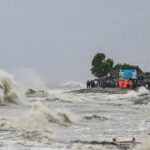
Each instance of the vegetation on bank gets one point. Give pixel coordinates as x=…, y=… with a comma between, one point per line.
x=101, y=65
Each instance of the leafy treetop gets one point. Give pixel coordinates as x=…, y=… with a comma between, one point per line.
x=127, y=66
x=102, y=66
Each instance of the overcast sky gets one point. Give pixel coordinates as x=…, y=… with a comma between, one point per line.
x=58, y=38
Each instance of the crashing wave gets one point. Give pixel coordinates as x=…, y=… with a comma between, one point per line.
x=143, y=91
x=40, y=118
x=133, y=94
x=9, y=91
x=79, y=97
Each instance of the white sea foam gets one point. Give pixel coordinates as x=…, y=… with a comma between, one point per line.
x=87, y=147
x=6, y=124
x=129, y=95
x=40, y=118
x=42, y=126
x=79, y=97
x=144, y=146
x=143, y=91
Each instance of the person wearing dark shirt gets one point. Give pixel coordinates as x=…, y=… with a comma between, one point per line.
x=88, y=83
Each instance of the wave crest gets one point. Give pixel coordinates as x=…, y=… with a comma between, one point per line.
x=8, y=89
x=40, y=118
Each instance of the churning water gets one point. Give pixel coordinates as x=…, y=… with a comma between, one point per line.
x=64, y=117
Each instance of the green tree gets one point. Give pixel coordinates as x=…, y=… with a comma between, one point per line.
x=127, y=66
x=100, y=65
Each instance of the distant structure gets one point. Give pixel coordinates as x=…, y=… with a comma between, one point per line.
x=122, y=78
x=144, y=76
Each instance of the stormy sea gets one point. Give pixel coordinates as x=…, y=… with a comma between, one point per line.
x=70, y=117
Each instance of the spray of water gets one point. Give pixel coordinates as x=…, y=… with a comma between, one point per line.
x=129, y=95
x=143, y=91
x=40, y=118
x=33, y=81
x=9, y=89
